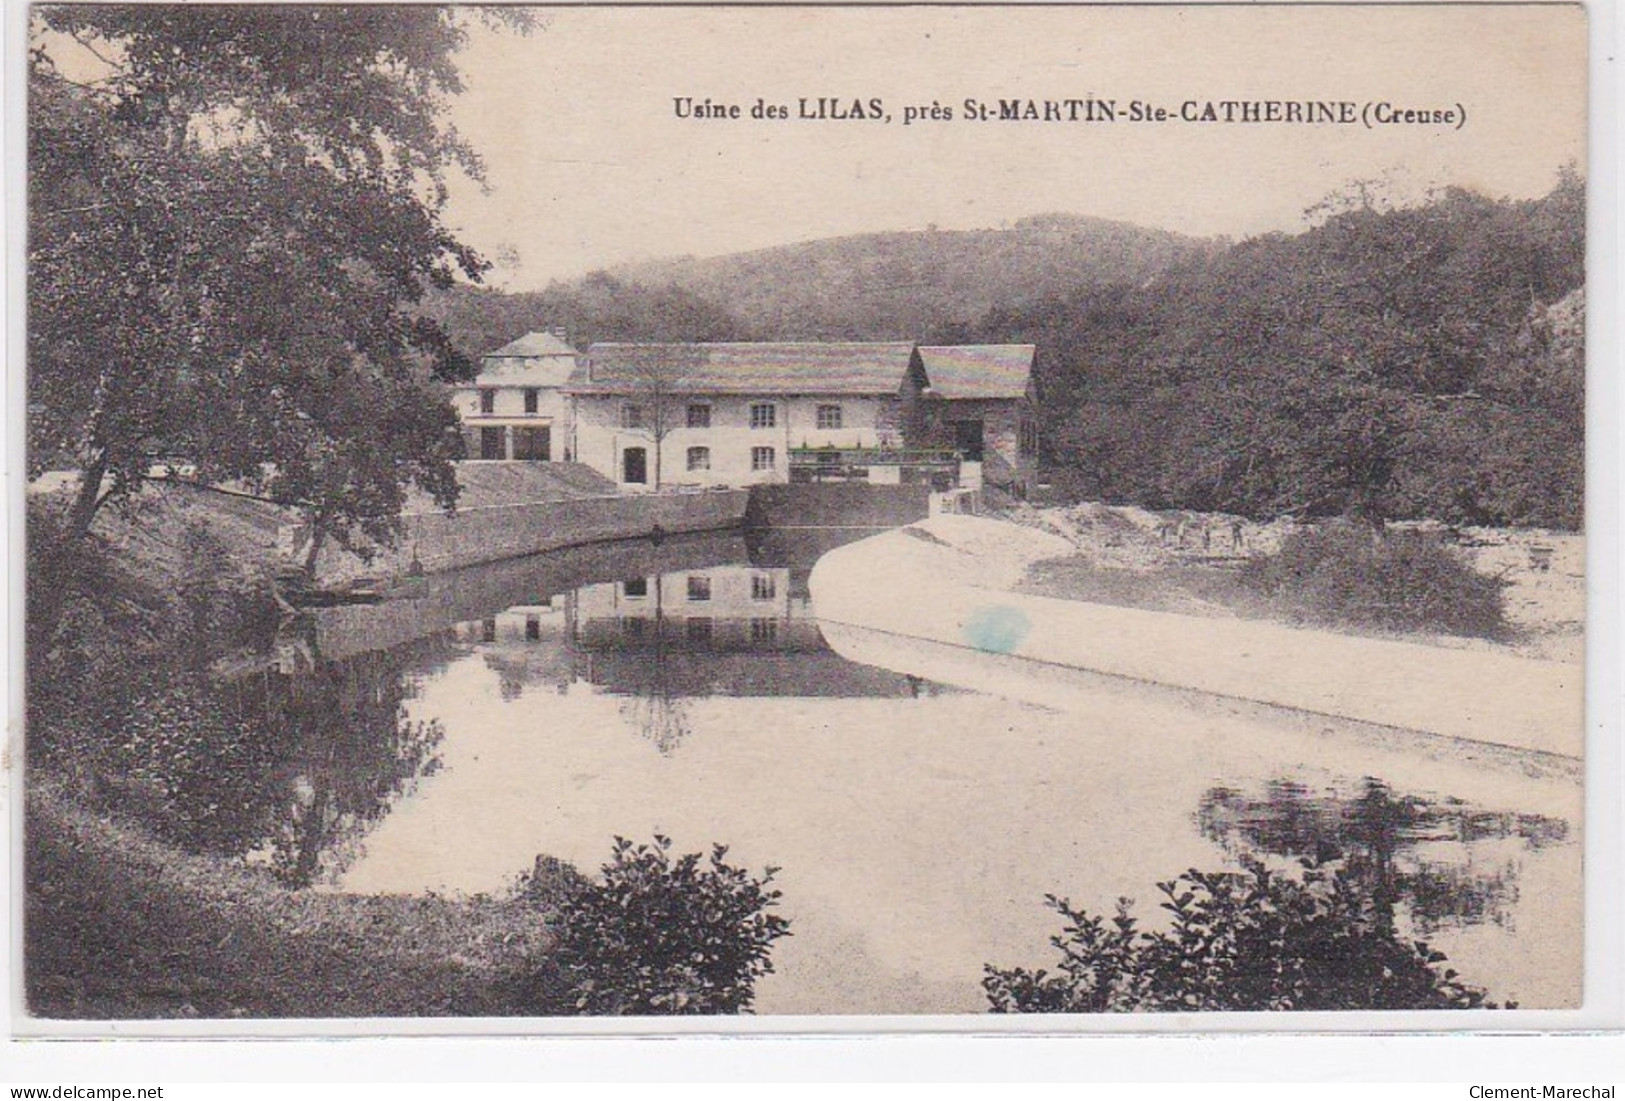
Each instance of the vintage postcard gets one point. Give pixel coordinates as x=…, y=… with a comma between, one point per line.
x=832, y=517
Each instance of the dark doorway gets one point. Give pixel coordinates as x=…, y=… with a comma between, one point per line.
x=968, y=439
x=492, y=444
x=534, y=444
x=635, y=466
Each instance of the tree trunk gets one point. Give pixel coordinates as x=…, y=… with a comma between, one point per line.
x=318, y=537
x=55, y=566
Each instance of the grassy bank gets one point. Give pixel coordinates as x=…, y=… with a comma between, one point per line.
x=120, y=926
x=1132, y=558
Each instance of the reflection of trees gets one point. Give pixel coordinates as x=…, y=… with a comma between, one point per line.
x=355, y=753
x=656, y=706
x=1381, y=837
x=348, y=751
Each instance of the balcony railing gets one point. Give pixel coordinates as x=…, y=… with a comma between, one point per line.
x=855, y=463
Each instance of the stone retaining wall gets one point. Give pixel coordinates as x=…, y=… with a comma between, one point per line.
x=435, y=541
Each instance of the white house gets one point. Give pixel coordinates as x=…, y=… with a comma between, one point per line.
x=516, y=408
x=655, y=416
x=729, y=414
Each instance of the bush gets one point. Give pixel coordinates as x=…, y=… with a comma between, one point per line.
x=196, y=770
x=1345, y=575
x=664, y=936
x=1254, y=941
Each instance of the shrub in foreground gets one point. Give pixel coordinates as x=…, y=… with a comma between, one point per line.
x=1254, y=941
x=662, y=935
x=1344, y=574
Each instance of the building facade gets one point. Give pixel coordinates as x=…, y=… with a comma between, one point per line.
x=662, y=416
x=516, y=408
x=981, y=404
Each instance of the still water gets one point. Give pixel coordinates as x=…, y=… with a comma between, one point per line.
x=688, y=689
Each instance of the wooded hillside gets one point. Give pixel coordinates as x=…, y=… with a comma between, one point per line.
x=1426, y=361
x=905, y=286
x=1386, y=363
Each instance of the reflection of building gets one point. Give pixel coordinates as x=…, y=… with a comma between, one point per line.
x=527, y=644
x=653, y=415
x=515, y=408
x=723, y=630
x=714, y=609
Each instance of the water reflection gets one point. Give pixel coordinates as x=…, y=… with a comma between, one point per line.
x=652, y=627
x=689, y=689
x=349, y=749
x=1446, y=864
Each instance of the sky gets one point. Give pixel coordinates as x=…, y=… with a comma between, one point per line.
x=588, y=164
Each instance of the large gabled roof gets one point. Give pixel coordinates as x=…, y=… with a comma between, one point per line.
x=978, y=370
x=786, y=368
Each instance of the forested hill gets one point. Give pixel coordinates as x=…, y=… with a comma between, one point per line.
x=883, y=286
x=598, y=307
x=1426, y=361
x=1421, y=361
x=909, y=285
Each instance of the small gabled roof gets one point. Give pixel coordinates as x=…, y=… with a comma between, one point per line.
x=979, y=370
x=786, y=368
x=535, y=359
x=531, y=345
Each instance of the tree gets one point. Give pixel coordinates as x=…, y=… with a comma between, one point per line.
x=1389, y=361
x=654, y=376
x=231, y=210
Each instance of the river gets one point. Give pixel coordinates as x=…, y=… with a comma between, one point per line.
x=687, y=689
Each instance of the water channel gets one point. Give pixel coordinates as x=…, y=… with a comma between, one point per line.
x=687, y=689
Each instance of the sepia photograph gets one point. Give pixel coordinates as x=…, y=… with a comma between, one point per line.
x=1068, y=518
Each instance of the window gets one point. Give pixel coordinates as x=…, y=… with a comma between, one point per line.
x=764, y=414
x=829, y=416
x=635, y=587
x=493, y=443
x=762, y=587
x=763, y=629
x=699, y=458
x=699, y=588
x=761, y=458
x=533, y=628
x=699, y=629
x=488, y=401
x=531, y=398
x=535, y=444
x=699, y=416
x=631, y=416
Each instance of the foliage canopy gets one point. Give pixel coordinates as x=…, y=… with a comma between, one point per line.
x=658, y=935
x=231, y=210
x=1258, y=941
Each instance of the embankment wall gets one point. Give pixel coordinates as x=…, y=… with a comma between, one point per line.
x=435, y=541
x=837, y=505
